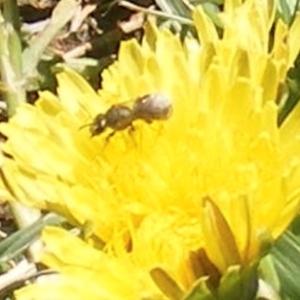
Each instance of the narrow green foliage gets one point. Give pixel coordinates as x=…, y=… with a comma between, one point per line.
x=16, y=243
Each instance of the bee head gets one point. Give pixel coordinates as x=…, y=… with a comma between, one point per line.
x=98, y=125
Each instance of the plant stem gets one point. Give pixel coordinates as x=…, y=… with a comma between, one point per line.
x=11, y=56
x=157, y=13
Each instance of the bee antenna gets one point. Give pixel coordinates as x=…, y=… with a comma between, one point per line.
x=90, y=116
x=85, y=125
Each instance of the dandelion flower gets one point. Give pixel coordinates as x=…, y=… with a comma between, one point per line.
x=180, y=198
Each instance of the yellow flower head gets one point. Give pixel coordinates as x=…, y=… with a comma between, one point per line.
x=209, y=183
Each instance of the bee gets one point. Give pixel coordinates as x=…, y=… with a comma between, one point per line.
x=149, y=108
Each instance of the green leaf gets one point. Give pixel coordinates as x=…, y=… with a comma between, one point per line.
x=200, y=291
x=286, y=9
x=268, y=272
x=176, y=7
x=197, y=2
x=212, y=10
x=269, y=284
x=238, y=283
x=286, y=257
x=61, y=15
x=290, y=91
x=16, y=243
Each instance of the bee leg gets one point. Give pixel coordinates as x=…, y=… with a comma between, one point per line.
x=131, y=129
x=107, y=139
x=109, y=136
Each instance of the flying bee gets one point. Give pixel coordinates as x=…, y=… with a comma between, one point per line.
x=149, y=108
